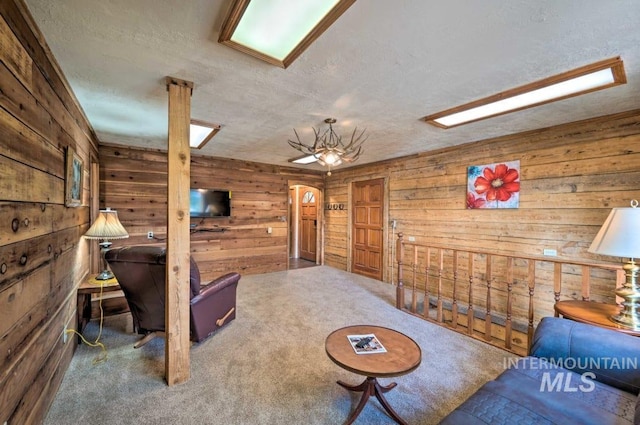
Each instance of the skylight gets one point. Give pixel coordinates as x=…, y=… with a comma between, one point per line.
x=200, y=133
x=278, y=31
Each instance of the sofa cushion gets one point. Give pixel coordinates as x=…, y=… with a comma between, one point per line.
x=534, y=391
x=612, y=356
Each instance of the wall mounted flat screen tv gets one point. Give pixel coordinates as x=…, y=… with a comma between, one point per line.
x=209, y=203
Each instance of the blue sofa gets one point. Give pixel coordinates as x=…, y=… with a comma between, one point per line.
x=575, y=374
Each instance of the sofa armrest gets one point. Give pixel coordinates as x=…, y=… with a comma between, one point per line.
x=218, y=284
x=214, y=307
x=613, y=357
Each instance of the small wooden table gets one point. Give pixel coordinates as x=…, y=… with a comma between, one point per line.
x=85, y=291
x=597, y=314
x=403, y=356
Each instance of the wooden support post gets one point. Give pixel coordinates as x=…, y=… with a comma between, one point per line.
x=177, y=346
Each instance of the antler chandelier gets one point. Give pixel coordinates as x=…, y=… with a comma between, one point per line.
x=329, y=149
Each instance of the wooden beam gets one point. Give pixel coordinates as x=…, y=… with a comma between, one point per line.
x=177, y=360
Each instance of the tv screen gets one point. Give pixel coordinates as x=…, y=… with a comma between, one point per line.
x=210, y=203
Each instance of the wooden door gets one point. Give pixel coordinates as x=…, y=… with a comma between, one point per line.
x=367, y=233
x=308, y=226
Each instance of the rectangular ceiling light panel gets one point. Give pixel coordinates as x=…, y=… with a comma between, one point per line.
x=307, y=159
x=278, y=31
x=579, y=81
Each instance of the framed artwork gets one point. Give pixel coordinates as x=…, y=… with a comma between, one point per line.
x=493, y=185
x=73, y=179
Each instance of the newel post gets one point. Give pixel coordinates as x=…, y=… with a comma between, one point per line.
x=399, y=257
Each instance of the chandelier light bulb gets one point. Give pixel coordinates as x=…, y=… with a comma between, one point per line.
x=328, y=147
x=331, y=158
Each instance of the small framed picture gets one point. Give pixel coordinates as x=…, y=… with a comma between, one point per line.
x=73, y=179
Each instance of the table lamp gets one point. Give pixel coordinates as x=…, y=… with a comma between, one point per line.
x=619, y=236
x=106, y=227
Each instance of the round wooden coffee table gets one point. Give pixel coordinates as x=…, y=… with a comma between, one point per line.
x=403, y=355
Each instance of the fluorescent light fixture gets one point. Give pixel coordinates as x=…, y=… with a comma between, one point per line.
x=200, y=133
x=308, y=159
x=597, y=76
x=278, y=31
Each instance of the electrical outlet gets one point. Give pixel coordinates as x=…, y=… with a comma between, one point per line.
x=149, y=235
x=64, y=334
x=412, y=238
x=549, y=252
x=269, y=230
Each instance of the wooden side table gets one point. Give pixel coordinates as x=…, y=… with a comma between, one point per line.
x=593, y=313
x=403, y=355
x=85, y=292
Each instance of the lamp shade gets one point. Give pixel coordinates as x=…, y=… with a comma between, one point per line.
x=619, y=236
x=107, y=226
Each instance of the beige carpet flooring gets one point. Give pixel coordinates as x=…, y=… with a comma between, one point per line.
x=269, y=366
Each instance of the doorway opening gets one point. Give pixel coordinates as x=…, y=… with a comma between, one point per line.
x=304, y=212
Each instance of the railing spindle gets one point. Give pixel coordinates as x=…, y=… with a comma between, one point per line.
x=414, y=293
x=454, y=304
x=507, y=327
x=586, y=282
x=426, y=285
x=400, y=287
x=531, y=281
x=487, y=315
x=470, y=308
x=439, y=315
x=557, y=280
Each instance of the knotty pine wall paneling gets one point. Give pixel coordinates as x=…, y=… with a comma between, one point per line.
x=42, y=254
x=134, y=182
x=571, y=177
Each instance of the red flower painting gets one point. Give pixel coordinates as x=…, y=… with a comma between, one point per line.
x=473, y=202
x=498, y=184
x=494, y=185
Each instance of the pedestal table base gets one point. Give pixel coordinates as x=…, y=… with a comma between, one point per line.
x=369, y=387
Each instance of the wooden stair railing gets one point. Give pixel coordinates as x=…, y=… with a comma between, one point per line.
x=478, y=296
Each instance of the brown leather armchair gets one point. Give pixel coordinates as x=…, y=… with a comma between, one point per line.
x=141, y=272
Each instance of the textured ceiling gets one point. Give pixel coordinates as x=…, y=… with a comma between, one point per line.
x=382, y=66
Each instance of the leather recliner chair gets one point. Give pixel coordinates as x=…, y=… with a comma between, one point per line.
x=141, y=273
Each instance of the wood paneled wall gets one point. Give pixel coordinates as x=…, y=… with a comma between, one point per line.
x=134, y=182
x=571, y=177
x=42, y=255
